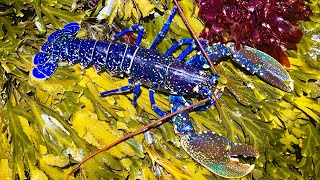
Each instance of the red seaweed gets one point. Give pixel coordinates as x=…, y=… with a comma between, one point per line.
x=89, y=4
x=268, y=25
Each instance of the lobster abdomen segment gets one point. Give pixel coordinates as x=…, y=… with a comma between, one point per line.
x=86, y=50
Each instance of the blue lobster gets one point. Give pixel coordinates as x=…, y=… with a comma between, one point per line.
x=165, y=73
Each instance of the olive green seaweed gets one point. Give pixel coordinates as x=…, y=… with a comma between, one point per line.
x=49, y=126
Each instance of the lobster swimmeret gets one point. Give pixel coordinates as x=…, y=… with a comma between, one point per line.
x=163, y=72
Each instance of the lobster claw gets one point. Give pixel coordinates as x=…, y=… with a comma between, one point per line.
x=218, y=154
x=265, y=66
x=253, y=60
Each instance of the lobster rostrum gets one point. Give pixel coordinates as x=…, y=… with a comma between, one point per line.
x=166, y=73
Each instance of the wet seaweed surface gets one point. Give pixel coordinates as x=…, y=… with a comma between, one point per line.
x=48, y=126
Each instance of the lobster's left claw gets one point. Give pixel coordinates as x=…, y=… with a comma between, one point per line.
x=217, y=153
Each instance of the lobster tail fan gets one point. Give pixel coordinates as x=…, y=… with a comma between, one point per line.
x=35, y=73
x=41, y=58
x=46, y=65
x=48, y=46
x=52, y=50
x=71, y=28
x=54, y=35
x=44, y=71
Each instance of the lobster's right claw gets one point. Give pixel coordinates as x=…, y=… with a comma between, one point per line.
x=265, y=66
x=217, y=153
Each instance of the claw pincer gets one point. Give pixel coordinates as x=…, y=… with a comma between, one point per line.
x=216, y=152
x=210, y=149
x=265, y=66
x=252, y=60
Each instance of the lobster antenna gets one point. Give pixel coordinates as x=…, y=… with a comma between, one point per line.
x=138, y=131
x=194, y=35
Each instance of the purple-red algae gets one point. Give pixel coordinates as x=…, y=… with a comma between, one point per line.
x=268, y=25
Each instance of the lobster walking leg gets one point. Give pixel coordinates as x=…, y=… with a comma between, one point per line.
x=165, y=29
x=140, y=29
x=71, y=28
x=134, y=85
x=153, y=103
x=184, y=41
x=132, y=28
x=136, y=91
x=122, y=89
x=187, y=51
